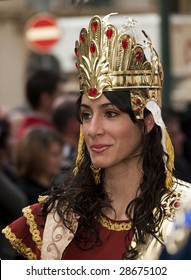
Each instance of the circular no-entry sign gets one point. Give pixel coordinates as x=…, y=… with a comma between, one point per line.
x=42, y=33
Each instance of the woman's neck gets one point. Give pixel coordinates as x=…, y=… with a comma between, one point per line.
x=122, y=184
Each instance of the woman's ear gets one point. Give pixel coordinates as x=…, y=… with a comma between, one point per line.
x=149, y=123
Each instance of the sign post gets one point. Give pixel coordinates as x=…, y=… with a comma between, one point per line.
x=42, y=33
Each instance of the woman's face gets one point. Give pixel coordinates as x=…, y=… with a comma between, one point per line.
x=110, y=135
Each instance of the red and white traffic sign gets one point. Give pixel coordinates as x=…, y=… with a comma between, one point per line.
x=42, y=33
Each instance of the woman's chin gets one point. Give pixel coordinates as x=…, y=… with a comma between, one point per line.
x=100, y=164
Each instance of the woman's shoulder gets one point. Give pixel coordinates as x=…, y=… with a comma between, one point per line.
x=25, y=234
x=182, y=188
x=178, y=245
x=182, y=184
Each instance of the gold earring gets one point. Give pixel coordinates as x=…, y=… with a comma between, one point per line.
x=96, y=172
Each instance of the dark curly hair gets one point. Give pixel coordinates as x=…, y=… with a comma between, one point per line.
x=83, y=197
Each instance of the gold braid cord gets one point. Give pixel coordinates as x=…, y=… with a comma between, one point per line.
x=114, y=226
x=42, y=198
x=80, y=155
x=18, y=244
x=27, y=212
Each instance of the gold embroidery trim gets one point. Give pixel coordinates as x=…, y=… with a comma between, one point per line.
x=114, y=226
x=27, y=212
x=18, y=244
x=42, y=198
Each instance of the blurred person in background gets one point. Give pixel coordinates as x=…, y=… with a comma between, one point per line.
x=42, y=88
x=67, y=125
x=172, y=120
x=6, y=148
x=16, y=117
x=186, y=126
x=12, y=200
x=37, y=158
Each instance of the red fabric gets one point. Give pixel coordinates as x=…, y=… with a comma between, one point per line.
x=33, y=120
x=20, y=228
x=112, y=248
x=114, y=243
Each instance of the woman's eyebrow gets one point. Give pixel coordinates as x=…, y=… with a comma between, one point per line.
x=85, y=106
x=101, y=105
x=106, y=105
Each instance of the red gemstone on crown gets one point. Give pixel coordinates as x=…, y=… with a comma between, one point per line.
x=94, y=25
x=82, y=37
x=177, y=204
x=138, y=110
x=125, y=43
x=92, y=92
x=76, y=51
x=138, y=101
x=109, y=33
x=138, y=55
x=92, y=47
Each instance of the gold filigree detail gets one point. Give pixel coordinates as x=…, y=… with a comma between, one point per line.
x=18, y=244
x=27, y=212
x=171, y=204
x=138, y=101
x=139, y=98
x=96, y=172
x=112, y=59
x=94, y=75
x=114, y=226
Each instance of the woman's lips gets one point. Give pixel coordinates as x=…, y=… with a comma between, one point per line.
x=99, y=148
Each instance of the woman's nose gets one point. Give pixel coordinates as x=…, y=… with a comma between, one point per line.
x=96, y=127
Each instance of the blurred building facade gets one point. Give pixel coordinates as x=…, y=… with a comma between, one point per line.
x=17, y=60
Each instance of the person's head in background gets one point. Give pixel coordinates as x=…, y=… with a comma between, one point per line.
x=66, y=124
x=65, y=120
x=42, y=88
x=37, y=155
x=172, y=120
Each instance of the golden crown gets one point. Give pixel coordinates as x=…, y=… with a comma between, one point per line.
x=109, y=59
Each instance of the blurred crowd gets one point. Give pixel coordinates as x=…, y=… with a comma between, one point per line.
x=37, y=142
x=178, y=124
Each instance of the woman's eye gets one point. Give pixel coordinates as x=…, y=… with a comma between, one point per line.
x=111, y=114
x=85, y=116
